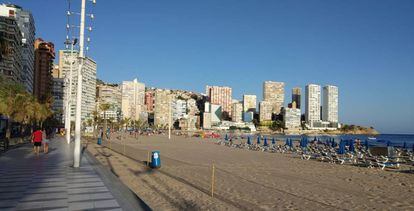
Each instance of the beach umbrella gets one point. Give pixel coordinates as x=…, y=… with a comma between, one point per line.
x=273, y=140
x=341, y=149
x=258, y=139
x=351, y=146
x=366, y=144
x=304, y=143
x=265, y=141
x=405, y=145
x=248, y=140
x=290, y=143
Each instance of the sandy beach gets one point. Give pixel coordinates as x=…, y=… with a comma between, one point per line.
x=247, y=180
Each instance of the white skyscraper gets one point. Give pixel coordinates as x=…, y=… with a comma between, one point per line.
x=88, y=84
x=312, y=104
x=237, y=112
x=274, y=93
x=249, y=103
x=178, y=109
x=26, y=25
x=133, y=99
x=330, y=104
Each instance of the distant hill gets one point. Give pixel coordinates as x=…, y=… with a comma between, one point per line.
x=355, y=129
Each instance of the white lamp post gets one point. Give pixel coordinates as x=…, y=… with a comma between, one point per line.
x=69, y=91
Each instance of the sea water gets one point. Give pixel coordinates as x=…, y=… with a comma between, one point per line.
x=396, y=140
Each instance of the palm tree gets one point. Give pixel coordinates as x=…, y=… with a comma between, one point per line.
x=19, y=106
x=10, y=98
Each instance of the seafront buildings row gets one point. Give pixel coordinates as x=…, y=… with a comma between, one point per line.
x=31, y=62
x=216, y=109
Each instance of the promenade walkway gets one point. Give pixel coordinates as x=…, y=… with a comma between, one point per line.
x=48, y=182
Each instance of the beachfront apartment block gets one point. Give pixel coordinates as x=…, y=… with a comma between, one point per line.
x=312, y=104
x=110, y=94
x=25, y=22
x=163, y=108
x=206, y=120
x=248, y=116
x=249, y=103
x=220, y=95
x=179, y=109
x=296, y=96
x=192, y=108
x=43, y=68
x=133, y=100
x=237, y=112
x=265, y=111
x=330, y=104
x=11, y=57
x=58, y=85
x=274, y=93
x=89, y=69
x=291, y=118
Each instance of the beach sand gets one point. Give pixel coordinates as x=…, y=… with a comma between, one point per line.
x=248, y=180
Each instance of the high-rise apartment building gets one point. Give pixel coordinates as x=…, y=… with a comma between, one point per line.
x=291, y=118
x=206, y=120
x=109, y=94
x=221, y=95
x=249, y=103
x=58, y=85
x=25, y=23
x=237, y=112
x=179, y=109
x=10, y=49
x=149, y=100
x=89, y=69
x=296, y=96
x=274, y=93
x=44, y=56
x=133, y=99
x=265, y=111
x=312, y=104
x=56, y=72
x=192, y=108
x=162, y=109
x=330, y=104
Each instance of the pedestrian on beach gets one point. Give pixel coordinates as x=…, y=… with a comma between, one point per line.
x=37, y=137
x=45, y=140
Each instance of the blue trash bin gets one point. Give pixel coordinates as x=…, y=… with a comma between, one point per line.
x=99, y=141
x=155, y=159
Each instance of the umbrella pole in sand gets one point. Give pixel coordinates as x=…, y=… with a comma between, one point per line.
x=212, y=181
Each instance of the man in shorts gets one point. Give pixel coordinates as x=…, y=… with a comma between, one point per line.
x=37, y=140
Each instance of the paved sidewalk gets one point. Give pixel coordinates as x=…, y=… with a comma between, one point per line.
x=48, y=182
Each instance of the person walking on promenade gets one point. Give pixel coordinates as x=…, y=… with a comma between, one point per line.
x=45, y=138
x=37, y=137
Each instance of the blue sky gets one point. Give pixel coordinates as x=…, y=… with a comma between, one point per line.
x=366, y=48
